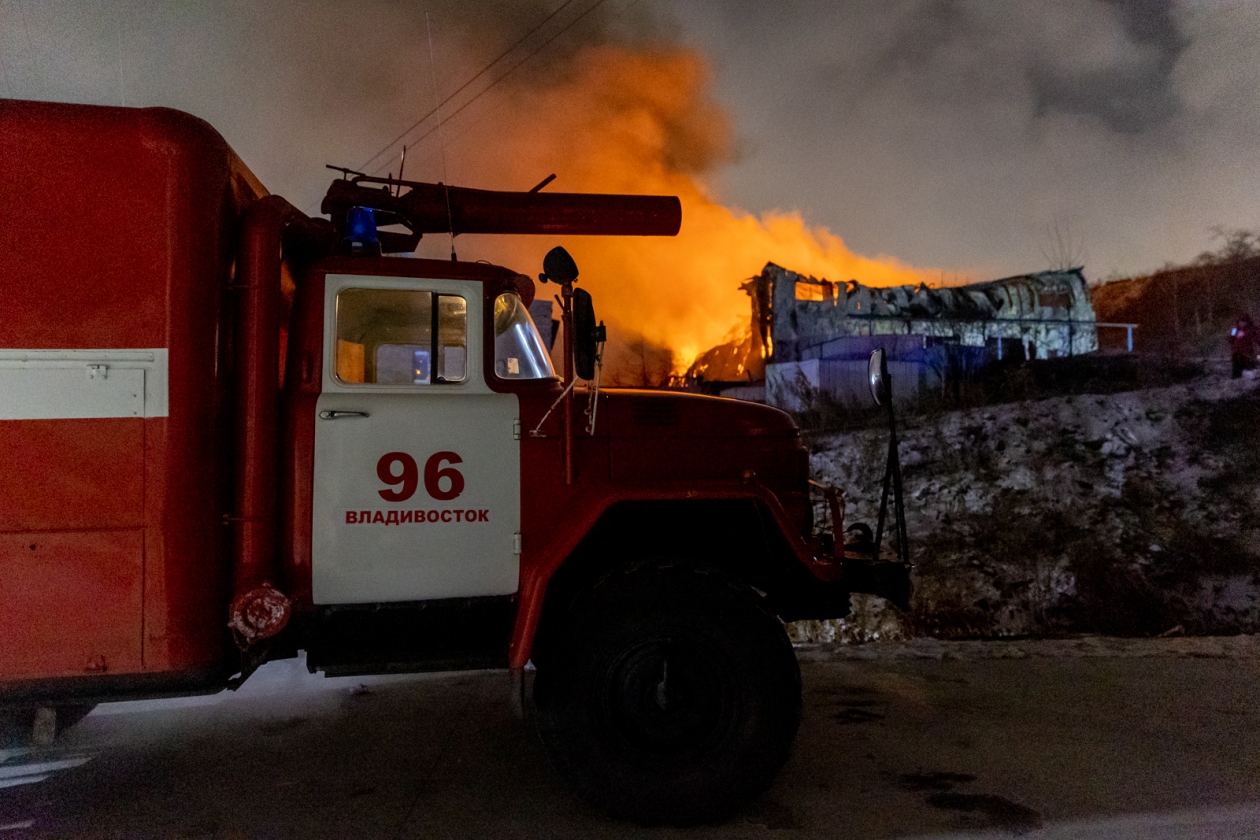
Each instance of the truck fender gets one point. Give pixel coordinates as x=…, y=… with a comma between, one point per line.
x=537, y=573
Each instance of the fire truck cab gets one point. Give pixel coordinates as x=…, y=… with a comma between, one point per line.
x=234, y=432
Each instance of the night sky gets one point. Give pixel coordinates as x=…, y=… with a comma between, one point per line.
x=976, y=138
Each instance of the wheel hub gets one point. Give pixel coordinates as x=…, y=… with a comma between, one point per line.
x=668, y=697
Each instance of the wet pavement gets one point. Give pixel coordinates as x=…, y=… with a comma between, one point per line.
x=1096, y=738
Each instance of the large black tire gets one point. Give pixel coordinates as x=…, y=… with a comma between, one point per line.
x=671, y=696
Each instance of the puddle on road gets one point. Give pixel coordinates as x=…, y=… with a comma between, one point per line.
x=933, y=781
x=992, y=811
x=279, y=727
x=21, y=767
x=856, y=715
x=998, y=811
x=17, y=826
x=770, y=814
x=854, y=703
x=15, y=773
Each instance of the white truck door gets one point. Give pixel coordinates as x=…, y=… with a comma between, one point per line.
x=417, y=465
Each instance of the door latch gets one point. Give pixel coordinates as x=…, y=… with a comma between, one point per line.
x=337, y=415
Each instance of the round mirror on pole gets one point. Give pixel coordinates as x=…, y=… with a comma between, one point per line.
x=877, y=376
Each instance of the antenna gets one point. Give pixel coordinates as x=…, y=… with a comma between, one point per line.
x=441, y=137
x=402, y=162
x=122, y=85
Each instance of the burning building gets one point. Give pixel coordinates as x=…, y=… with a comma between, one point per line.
x=808, y=333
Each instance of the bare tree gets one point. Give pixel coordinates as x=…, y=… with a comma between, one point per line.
x=1236, y=244
x=1063, y=247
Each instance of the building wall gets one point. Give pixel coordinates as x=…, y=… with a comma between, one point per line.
x=821, y=333
x=789, y=385
x=1049, y=313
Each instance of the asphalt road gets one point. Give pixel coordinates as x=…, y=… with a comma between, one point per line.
x=1088, y=738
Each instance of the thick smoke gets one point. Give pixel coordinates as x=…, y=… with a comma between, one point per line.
x=964, y=132
x=640, y=120
x=959, y=133
x=609, y=105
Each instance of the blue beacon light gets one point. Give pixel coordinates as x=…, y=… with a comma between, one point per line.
x=361, y=228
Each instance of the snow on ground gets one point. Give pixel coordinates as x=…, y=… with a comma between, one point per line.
x=1127, y=514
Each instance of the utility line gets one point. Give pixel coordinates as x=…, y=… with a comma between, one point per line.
x=9, y=90
x=122, y=82
x=510, y=70
x=30, y=48
x=462, y=87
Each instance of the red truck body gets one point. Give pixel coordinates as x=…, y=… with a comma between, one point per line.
x=212, y=461
x=121, y=235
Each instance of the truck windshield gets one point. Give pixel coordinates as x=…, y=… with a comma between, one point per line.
x=519, y=352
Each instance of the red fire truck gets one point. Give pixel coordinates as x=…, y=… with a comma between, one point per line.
x=233, y=432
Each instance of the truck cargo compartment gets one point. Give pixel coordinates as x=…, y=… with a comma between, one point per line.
x=53, y=624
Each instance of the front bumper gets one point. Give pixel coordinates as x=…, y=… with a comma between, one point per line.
x=885, y=578
x=863, y=570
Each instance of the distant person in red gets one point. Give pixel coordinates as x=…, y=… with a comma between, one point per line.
x=1243, y=345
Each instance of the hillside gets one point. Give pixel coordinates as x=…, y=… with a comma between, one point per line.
x=1131, y=513
x=1184, y=311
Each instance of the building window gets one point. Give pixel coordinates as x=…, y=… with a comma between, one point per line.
x=1054, y=300
x=813, y=291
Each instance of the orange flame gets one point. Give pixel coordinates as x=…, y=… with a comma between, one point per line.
x=642, y=121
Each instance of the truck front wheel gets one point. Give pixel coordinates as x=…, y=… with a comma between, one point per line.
x=673, y=696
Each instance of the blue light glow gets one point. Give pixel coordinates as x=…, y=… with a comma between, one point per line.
x=361, y=227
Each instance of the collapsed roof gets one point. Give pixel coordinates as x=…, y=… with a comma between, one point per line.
x=796, y=316
x=805, y=312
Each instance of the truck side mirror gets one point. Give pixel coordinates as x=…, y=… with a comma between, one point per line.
x=558, y=267
x=586, y=334
x=877, y=375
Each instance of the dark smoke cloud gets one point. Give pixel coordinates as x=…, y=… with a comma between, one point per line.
x=1132, y=97
x=1129, y=94
x=292, y=84
x=959, y=133
x=963, y=132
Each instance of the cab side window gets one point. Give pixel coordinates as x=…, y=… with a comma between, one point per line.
x=452, y=343
x=400, y=337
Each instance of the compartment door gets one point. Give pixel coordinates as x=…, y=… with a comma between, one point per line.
x=72, y=427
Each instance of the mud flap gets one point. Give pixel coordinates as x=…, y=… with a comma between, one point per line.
x=886, y=579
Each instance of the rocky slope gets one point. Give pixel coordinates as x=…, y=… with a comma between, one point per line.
x=1129, y=514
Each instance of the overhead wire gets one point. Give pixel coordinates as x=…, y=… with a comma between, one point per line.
x=507, y=73
x=437, y=108
x=479, y=74
x=122, y=82
x=32, y=58
x=9, y=90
